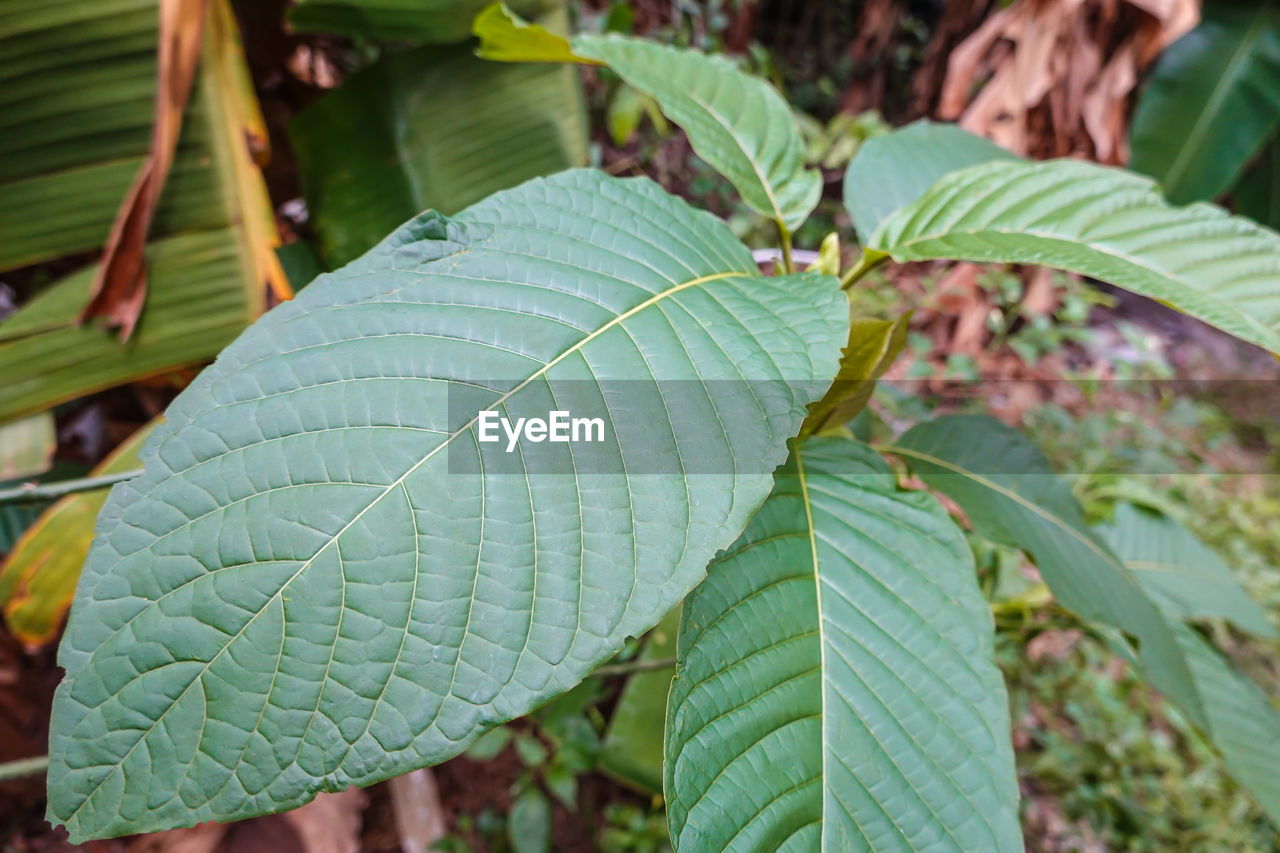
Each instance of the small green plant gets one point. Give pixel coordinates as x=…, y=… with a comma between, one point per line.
x=327, y=573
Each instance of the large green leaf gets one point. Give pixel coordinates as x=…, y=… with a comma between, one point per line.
x=324, y=577
x=835, y=687
x=1240, y=721
x=206, y=283
x=737, y=123
x=1104, y=223
x=893, y=170
x=421, y=21
x=1011, y=496
x=384, y=146
x=1178, y=571
x=1211, y=101
x=1243, y=723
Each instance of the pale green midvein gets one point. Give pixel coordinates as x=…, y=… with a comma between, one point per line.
x=822, y=640
x=630, y=312
x=764, y=183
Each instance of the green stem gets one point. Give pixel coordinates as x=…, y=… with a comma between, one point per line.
x=865, y=264
x=24, y=767
x=633, y=666
x=43, y=491
x=784, y=238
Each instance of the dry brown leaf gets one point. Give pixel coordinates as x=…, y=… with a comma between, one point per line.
x=204, y=838
x=959, y=296
x=1041, y=297
x=1051, y=78
x=1104, y=106
x=120, y=286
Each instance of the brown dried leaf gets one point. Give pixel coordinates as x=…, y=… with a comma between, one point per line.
x=1033, y=76
x=119, y=288
x=1041, y=298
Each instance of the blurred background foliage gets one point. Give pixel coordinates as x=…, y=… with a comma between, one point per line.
x=314, y=127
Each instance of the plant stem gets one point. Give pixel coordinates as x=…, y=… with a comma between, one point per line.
x=633, y=666
x=24, y=767
x=784, y=240
x=865, y=264
x=38, y=491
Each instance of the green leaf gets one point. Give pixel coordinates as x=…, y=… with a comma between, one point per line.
x=324, y=577
x=489, y=744
x=530, y=750
x=1104, y=223
x=506, y=37
x=1257, y=195
x=38, y=578
x=1240, y=721
x=529, y=824
x=632, y=749
x=1243, y=723
x=892, y=170
x=1178, y=571
x=835, y=687
x=418, y=21
x=1211, y=102
x=27, y=446
x=873, y=346
x=737, y=123
x=379, y=148
x=1011, y=496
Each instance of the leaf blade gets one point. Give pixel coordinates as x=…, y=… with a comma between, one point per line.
x=1103, y=223
x=1178, y=571
x=796, y=656
x=1006, y=488
x=357, y=671
x=893, y=170
x=739, y=124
